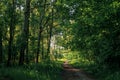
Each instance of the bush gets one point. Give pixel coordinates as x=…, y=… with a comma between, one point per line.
x=41, y=71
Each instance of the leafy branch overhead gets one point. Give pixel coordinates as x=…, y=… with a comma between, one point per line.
x=33, y=31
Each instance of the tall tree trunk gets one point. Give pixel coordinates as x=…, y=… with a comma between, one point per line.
x=39, y=38
x=1, y=47
x=38, y=45
x=40, y=31
x=25, y=35
x=12, y=27
x=50, y=35
x=42, y=48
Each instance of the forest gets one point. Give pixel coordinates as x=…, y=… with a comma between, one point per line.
x=38, y=38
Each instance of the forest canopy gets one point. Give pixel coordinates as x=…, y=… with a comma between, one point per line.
x=33, y=31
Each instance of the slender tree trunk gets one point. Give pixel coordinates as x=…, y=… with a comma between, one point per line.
x=12, y=27
x=33, y=41
x=42, y=49
x=27, y=50
x=50, y=35
x=25, y=35
x=1, y=47
x=38, y=45
x=27, y=14
x=40, y=32
x=39, y=38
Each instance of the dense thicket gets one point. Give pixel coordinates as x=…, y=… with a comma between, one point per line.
x=34, y=30
x=83, y=31
x=26, y=30
x=95, y=30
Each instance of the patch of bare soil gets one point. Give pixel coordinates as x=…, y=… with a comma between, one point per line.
x=71, y=73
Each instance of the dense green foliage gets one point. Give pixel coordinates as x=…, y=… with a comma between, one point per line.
x=85, y=32
x=41, y=71
x=98, y=72
x=95, y=34
x=95, y=31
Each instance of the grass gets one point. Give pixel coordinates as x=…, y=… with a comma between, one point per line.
x=41, y=71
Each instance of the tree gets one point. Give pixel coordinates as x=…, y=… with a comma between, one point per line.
x=1, y=46
x=1, y=36
x=50, y=32
x=40, y=30
x=95, y=37
x=25, y=35
x=12, y=27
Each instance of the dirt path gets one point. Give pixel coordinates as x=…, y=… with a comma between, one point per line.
x=71, y=73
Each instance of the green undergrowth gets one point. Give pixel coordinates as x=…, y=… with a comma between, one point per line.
x=100, y=72
x=41, y=71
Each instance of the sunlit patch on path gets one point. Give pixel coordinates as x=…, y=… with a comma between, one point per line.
x=71, y=73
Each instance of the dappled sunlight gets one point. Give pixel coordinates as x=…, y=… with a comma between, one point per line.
x=59, y=39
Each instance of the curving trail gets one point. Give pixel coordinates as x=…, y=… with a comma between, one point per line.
x=71, y=73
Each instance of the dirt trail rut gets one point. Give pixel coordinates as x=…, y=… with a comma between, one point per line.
x=71, y=73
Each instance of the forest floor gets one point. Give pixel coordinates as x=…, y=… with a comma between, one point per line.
x=71, y=73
